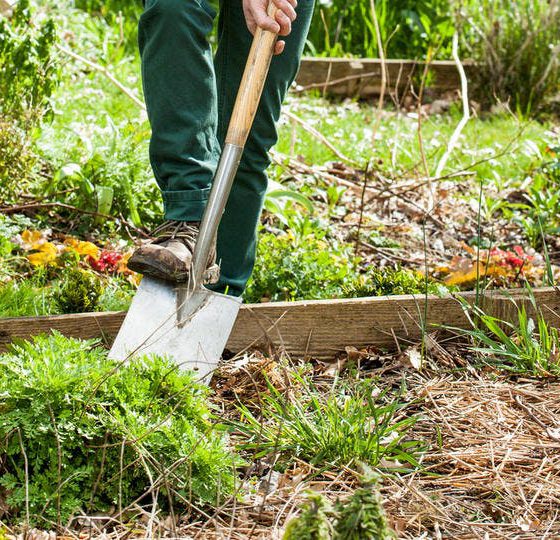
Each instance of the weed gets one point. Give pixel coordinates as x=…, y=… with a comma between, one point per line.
x=528, y=346
x=313, y=522
x=28, y=73
x=79, y=292
x=28, y=77
x=388, y=281
x=362, y=516
x=27, y=299
x=356, y=422
x=299, y=266
x=80, y=432
x=409, y=28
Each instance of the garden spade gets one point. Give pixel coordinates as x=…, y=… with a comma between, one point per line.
x=190, y=323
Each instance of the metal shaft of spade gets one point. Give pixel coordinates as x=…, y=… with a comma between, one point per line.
x=245, y=108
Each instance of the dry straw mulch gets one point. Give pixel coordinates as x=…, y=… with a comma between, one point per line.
x=494, y=465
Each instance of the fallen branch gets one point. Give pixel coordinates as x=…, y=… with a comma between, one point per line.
x=41, y=205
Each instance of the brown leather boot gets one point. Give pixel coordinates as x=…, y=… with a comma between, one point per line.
x=168, y=256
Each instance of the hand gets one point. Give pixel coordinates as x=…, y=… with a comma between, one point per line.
x=256, y=16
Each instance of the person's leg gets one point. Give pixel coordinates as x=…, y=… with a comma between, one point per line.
x=237, y=235
x=180, y=93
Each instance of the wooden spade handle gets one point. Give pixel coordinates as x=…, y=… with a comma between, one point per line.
x=252, y=83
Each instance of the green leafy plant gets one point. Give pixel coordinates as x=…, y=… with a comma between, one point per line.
x=105, y=171
x=79, y=433
x=313, y=521
x=528, y=346
x=362, y=516
x=409, y=29
x=541, y=217
x=27, y=298
x=353, y=422
x=28, y=71
x=297, y=265
x=79, y=292
x=388, y=281
x=517, y=48
x=28, y=77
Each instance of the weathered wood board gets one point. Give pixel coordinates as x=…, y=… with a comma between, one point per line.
x=361, y=77
x=320, y=328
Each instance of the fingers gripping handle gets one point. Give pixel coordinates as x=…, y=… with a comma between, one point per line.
x=252, y=83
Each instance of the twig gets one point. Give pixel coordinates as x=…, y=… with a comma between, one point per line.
x=362, y=204
x=334, y=82
x=310, y=129
x=26, y=473
x=103, y=70
x=466, y=109
x=38, y=205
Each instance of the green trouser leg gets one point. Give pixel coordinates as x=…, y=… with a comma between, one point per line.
x=189, y=105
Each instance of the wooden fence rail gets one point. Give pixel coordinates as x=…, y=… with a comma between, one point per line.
x=319, y=328
x=361, y=77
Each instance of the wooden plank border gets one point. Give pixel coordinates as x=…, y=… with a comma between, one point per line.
x=361, y=77
x=320, y=328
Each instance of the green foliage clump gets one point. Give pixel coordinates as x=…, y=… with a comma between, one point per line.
x=28, y=77
x=105, y=170
x=388, y=281
x=313, y=522
x=28, y=71
x=527, y=346
x=10, y=226
x=79, y=292
x=81, y=433
x=26, y=298
x=294, y=266
x=111, y=8
x=302, y=266
x=517, y=49
x=355, y=422
x=360, y=516
x=409, y=28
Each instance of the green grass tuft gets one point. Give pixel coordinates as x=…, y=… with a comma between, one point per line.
x=352, y=422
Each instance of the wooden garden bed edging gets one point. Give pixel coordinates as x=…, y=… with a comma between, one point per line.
x=319, y=328
x=361, y=77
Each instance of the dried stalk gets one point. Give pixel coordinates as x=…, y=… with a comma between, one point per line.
x=383, y=72
x=466, y=109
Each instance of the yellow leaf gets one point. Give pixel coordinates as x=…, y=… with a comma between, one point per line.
x=460, y=277
x=82, y=248
x=122, y=267
x=45, y=254
x=87, y=248
x=32, y=239
x=469, y=275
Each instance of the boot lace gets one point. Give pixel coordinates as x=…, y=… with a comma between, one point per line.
x=185, y=230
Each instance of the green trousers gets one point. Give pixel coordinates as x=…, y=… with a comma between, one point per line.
x=190, y=96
